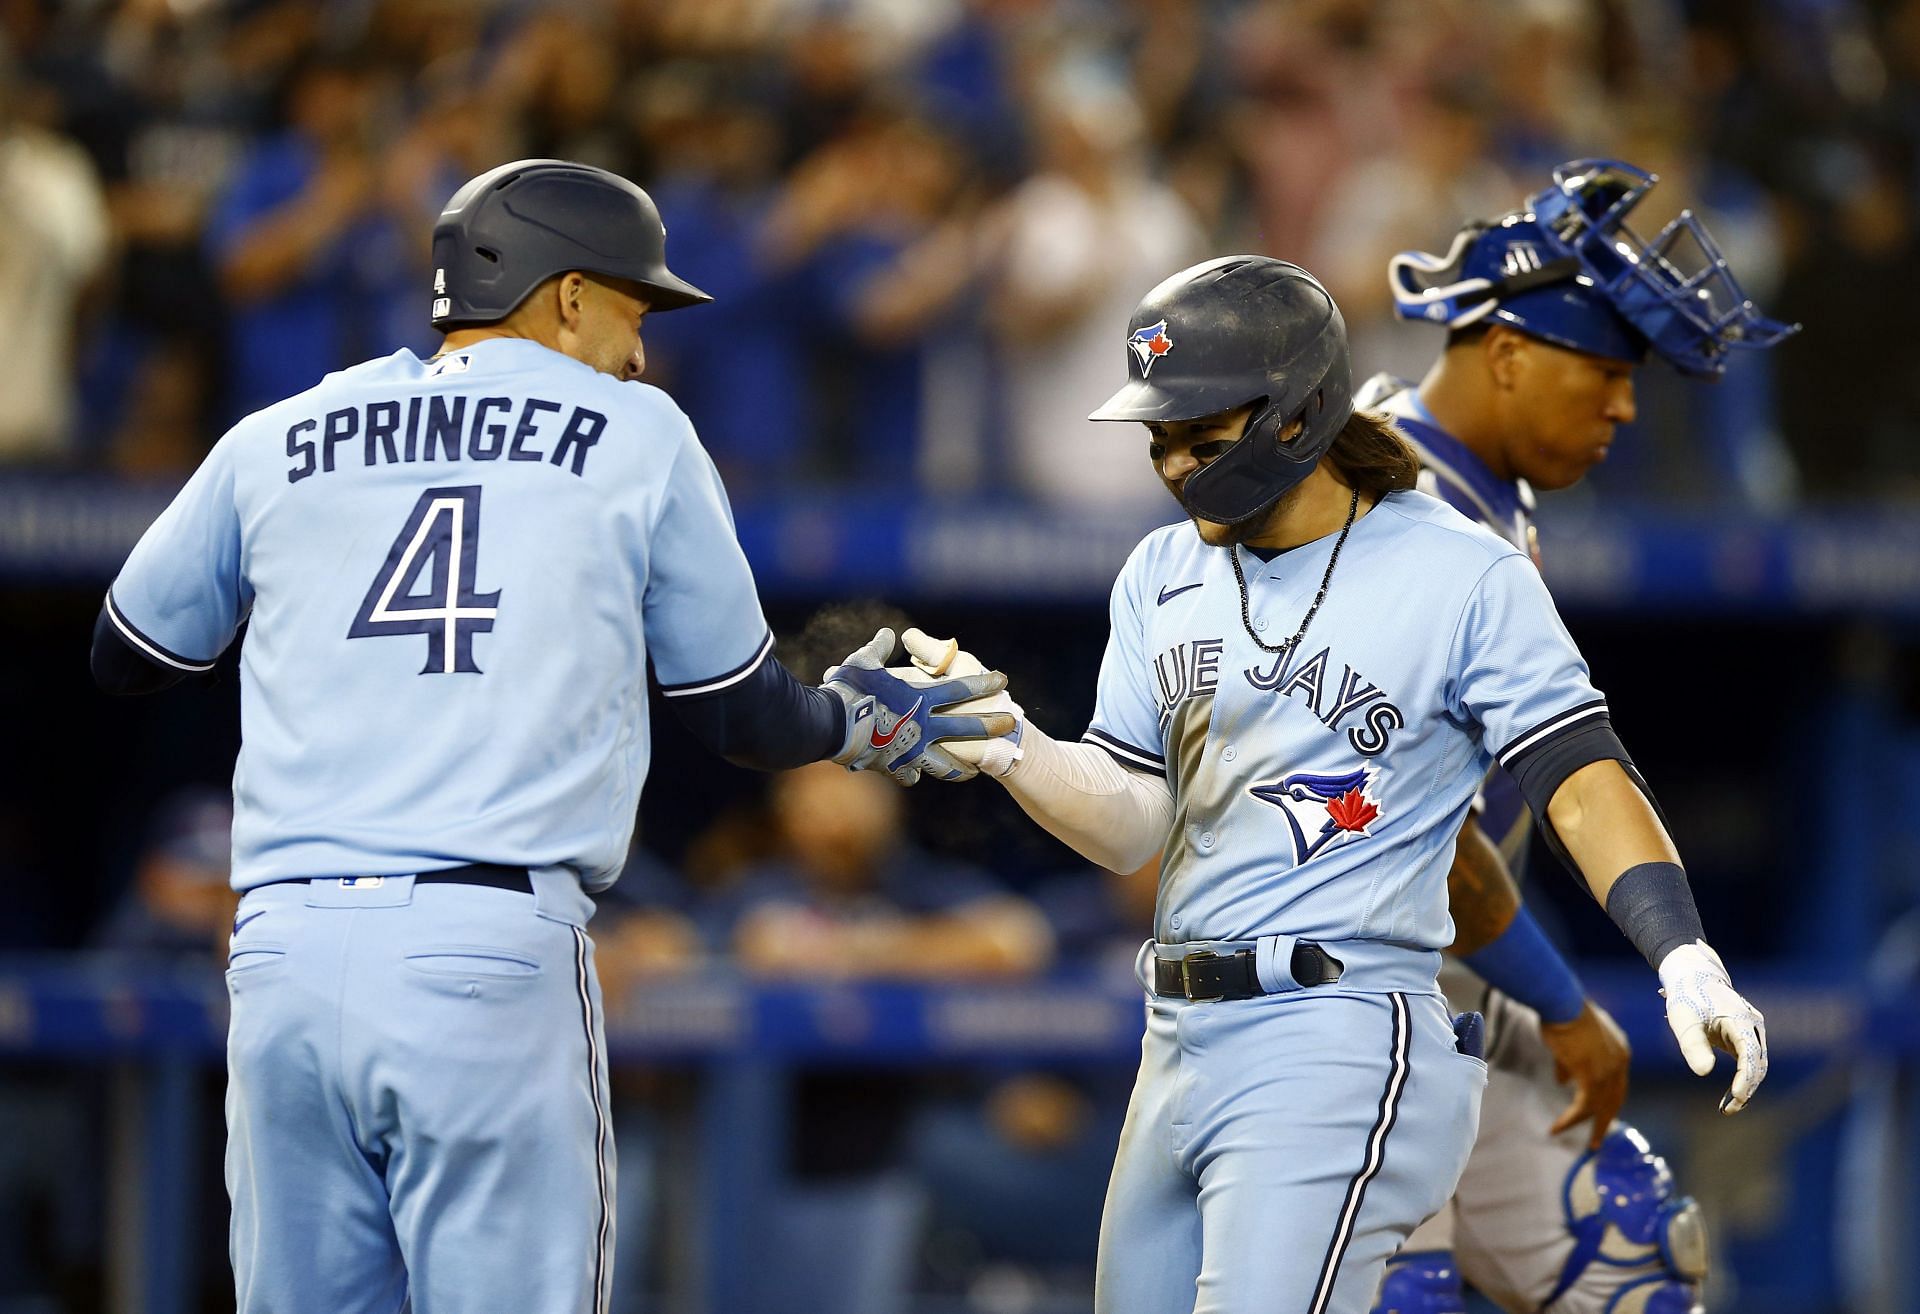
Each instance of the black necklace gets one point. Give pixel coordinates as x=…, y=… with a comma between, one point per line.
x=1246, y=615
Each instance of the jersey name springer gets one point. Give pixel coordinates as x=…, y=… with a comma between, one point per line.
x=439, y=427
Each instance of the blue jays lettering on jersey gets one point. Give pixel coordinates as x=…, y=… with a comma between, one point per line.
x=1436, y=653
x=456, y=572
x=1451, y=471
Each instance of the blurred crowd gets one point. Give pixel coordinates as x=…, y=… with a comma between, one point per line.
x=926, y=221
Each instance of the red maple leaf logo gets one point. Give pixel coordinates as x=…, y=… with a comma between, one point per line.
x=1352, y=810
x=1160, y=344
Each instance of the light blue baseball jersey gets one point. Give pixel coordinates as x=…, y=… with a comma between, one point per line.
x=1450, y=471
x=1319, y=794
x=455, y=573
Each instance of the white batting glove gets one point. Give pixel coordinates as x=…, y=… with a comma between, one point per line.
x=1707, y=1013
x=945, y=659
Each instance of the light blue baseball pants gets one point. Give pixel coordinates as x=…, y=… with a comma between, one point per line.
x=417, y=1101
x=1279, y=1149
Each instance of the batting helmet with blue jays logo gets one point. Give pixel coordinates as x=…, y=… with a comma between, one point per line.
x=1567, y=268
x=1239, y=329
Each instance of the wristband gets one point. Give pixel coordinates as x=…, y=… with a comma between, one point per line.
x=1522, y=962
x=1653, y=905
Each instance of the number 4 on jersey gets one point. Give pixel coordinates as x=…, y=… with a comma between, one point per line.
x=440, y=542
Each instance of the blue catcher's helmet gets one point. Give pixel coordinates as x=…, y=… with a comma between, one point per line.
x=1567, y=268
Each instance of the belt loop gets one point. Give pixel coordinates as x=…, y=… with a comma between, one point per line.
x=1273, y=963
x=559, y=897
x=1143, y=966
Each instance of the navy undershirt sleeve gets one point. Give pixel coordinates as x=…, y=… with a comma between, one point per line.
x=121, y=668
x=769, y=721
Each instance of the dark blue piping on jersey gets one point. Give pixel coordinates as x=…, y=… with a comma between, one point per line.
x=715, y=683
x=153, y=649
x=1126, y=754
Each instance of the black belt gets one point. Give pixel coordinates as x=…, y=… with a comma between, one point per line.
x=1204, y=977
x=474, y=873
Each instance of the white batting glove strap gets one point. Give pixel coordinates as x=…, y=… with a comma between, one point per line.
x=1707, y=1013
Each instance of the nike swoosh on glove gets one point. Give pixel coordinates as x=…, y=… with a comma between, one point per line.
x=898, y=727
x=1707, y=1013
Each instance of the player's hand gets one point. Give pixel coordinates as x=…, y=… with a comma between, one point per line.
x=897, y=727
x=1592, y=1052
x=1707, y=1013
x=934, y=659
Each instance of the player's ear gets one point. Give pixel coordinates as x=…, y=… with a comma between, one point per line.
x=571, y=290
x=1504, y=352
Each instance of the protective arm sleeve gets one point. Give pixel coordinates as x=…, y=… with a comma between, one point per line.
x=768, y=721
x=1109, y=815
x=121, y=668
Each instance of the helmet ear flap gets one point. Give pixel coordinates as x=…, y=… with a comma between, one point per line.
x=1278, y=424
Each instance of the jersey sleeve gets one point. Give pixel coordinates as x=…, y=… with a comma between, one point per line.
x=1126, y=720
x=704, y=626
x=1518, y=676
x=182, y=594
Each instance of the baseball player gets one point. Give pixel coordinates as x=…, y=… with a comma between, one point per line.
x=1302, y=691
x=1546, y=324
x=456, y=571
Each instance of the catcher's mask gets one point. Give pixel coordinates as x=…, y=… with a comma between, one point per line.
x=1568, y=269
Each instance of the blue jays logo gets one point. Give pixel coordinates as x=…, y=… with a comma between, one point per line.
x=1149, y=345
x=1323, y=809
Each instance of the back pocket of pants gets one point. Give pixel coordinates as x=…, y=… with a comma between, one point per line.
x=253, y=957
x=466, y=960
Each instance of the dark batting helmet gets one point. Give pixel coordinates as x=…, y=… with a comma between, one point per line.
x=514, y=227
x=1240, y=329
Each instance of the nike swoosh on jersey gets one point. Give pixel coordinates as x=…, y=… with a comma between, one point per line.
x=1168, y=595
x=248, y=920
x=879, y=740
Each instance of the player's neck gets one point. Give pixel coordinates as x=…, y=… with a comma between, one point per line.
x=466, y=337
x=1315, y=508
x=1460, y=407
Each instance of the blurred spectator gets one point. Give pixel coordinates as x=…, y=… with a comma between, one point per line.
x=924, y=221
x=1016, y=1177
x=290, y=235
x=1851, y=409
x=180, y=906
x=56, y=242
x=639, y=937
x=1083, y=240
x=852, y=900
x=736, y=368
x=853, y=217
x=1438, y=176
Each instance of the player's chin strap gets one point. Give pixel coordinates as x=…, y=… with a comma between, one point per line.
x=1621, y=1210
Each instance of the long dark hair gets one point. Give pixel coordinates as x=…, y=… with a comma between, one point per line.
x=1371, y=455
